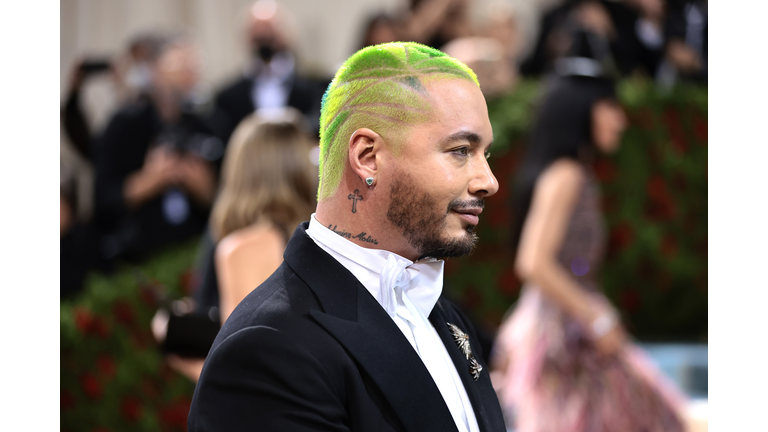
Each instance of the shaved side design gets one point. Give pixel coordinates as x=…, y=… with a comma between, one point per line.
x=382, y=88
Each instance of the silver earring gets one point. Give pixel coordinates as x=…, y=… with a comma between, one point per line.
x=369, y=181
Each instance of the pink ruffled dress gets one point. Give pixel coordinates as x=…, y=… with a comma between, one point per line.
x=548, y=374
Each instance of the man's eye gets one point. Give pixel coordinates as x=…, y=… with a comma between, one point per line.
x=487, y=154
x=462, y=151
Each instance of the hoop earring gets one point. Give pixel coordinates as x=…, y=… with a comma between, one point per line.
x=369, y=181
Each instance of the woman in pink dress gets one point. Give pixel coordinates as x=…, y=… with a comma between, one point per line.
x=562, y=361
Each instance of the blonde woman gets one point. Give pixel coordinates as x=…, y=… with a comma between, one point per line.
x=268, y=188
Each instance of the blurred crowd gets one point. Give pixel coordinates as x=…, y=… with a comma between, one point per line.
x=238, y=171
x=150, y=176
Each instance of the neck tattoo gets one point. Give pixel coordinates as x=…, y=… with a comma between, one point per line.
x=363, y=236
x=355, y=197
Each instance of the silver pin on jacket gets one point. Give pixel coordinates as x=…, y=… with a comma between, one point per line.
x=462, y=340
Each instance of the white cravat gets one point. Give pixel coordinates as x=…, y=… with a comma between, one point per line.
x=407, y=291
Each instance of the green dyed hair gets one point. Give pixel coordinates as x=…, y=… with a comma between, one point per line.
x=380, y=87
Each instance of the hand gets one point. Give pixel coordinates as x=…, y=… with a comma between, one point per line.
x=604, y=326
x=158, y=173
x=594, y=17
x=683, y=57
x=196, y=176
x=161, y=163
x=612, y=342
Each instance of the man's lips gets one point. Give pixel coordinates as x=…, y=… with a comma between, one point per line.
x=470, y=214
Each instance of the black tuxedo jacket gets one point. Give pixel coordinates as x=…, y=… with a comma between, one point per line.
x=311, y=350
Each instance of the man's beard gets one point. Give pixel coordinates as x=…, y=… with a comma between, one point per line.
x=423, y=225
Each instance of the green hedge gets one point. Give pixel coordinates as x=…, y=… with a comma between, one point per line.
x=655, y=192
x=113, y=378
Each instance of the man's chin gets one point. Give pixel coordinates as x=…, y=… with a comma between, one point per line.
x=457, y=246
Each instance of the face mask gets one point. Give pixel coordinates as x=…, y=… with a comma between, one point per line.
x=266, y=52
x=265, y=48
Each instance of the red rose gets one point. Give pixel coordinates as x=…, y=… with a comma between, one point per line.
x=106, y=366
x=83, y=319
x=91, y=386
x=130, y=408
x=621, y=237
x=123, y=312
x=175, y=414
x=660, y=205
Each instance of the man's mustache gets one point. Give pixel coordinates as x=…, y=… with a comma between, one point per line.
x=465, y=204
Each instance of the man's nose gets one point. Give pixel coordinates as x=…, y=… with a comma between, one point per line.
x=484, y=184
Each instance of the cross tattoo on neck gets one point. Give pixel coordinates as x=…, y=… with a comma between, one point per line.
x=355, y=197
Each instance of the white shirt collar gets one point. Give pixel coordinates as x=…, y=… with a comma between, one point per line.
x=386, y=275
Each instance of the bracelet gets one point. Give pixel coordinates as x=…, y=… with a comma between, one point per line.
x=603, y=324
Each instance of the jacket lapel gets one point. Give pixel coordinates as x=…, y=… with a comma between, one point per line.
x=481, y=394
x=361, y=325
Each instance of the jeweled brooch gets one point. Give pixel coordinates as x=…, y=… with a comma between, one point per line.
x=462, y=340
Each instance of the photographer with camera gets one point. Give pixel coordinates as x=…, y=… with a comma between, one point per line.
x=156, y=163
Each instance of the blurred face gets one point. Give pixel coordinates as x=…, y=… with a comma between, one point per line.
x=178, y=69
x=608, y=123
x=265, y=33
x=439, y=180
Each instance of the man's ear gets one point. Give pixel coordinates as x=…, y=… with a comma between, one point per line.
x=364, y=146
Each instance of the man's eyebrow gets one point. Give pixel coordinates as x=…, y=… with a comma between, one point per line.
x=470, y=136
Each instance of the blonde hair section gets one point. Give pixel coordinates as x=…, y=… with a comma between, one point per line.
x=267, y=175
x=382, y=88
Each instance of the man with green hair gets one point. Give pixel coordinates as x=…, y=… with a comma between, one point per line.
x=351, y=332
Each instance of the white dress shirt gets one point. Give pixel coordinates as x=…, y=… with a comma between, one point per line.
x=407, y=291
x=272, y=83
